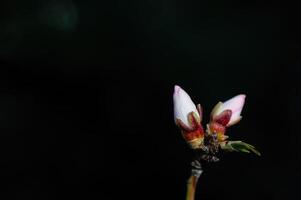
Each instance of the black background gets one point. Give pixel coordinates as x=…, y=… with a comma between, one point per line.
x=86, y=97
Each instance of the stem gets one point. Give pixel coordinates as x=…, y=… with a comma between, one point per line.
x=193, y=179
x=191, y=185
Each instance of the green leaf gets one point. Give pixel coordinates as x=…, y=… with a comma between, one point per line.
x=240, y=147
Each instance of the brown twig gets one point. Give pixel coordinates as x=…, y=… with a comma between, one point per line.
x=193, y=179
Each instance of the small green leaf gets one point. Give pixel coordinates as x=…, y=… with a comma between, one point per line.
x=240, y=146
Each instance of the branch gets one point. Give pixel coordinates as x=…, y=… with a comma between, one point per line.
x=196, y=172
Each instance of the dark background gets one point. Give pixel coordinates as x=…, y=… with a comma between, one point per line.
x=86, y=97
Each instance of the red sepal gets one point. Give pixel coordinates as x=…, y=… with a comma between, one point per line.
x=223, y=118
x=217, y=127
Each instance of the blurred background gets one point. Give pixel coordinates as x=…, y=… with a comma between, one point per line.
x=86, y=97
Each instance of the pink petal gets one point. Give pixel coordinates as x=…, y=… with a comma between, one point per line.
x=183, y=105
x=234, y=104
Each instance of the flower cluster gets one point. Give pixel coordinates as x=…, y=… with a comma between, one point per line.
x=188, y=117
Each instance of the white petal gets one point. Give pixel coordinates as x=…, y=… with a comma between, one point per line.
x=183, y=105
x=234, y=104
